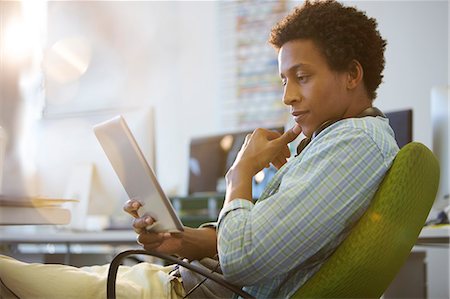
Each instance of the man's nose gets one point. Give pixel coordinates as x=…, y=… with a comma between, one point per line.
x=291, y=94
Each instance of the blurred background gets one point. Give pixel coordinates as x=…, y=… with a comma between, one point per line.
x=177, y=71
x=191, y=78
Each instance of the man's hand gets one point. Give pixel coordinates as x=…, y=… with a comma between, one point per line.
x=192, y=243
x=260, y=148
x=170, y=243
x=263, y=147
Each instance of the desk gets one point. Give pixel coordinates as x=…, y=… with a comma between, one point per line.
x=434, y=242
x=435, y=235
x=426, y=272
x=428, y=236
x=193, y=211
x=110, y=242
x=113, y=237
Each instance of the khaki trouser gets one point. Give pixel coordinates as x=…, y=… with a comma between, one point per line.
x=144, y=280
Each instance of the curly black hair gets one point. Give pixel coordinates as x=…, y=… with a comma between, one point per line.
x=341, y=33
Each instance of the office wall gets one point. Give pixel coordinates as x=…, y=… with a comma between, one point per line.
x=169, y=54
x=416, y=56
x=157, y=54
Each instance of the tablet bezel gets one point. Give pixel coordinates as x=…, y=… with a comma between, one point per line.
x=116, y=139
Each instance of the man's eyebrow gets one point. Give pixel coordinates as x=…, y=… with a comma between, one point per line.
x=296, y=67
x=299, y=66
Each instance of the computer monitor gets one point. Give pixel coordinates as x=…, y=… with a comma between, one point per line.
x=401, y=124
x=210, y=158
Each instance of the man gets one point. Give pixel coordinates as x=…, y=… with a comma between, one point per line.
x=330, y=64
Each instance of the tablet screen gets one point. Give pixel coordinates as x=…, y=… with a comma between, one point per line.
x=135, y=174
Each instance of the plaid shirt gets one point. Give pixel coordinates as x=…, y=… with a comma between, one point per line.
x=273, y=246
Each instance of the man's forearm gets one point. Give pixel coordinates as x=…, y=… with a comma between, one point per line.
x=239, y=184
x=199, y=243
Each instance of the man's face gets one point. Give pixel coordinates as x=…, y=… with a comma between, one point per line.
x=313, y=91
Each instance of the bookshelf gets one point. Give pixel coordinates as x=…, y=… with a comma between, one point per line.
x=250, y=90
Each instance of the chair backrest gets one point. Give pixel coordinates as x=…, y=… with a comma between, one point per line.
x=366, y=262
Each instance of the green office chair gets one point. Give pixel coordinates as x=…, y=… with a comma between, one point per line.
x=365, y=264
x=367, y=261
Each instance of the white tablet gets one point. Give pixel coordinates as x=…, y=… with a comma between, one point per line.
x=136, y=175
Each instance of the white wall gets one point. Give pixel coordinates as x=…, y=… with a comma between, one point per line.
x=159, y=54
x=194, y=110
x=168, y=58
x=417, y=58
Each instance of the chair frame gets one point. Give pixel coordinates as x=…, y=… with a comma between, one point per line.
x=116, y=262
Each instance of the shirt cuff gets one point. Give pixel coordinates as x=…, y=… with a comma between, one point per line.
x=235, y=204
x=209, y=224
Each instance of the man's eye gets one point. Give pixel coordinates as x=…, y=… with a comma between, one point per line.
x=302, y=78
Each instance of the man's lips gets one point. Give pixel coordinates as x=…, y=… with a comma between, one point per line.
x=298, y=115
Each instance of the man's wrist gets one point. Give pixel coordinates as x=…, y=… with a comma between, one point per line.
x=240, y=171
x=239, y=183
x=199, y=243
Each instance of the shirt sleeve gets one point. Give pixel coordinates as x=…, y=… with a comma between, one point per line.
x=209, y=224
x=322, y=192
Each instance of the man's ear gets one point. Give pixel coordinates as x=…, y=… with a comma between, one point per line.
x=355, y=74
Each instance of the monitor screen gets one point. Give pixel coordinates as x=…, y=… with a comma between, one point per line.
x=401, y=123
x=210, y=158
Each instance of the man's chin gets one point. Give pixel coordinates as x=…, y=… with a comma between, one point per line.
x=307, y=132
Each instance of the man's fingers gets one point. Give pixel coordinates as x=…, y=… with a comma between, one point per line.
x=131, y=207
x=247, y=139
x=278, y=163
x=273, y=135
x=140, y=223
x=290, y=134
x=175, y=235
x=150, y=240
x=286, y=151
